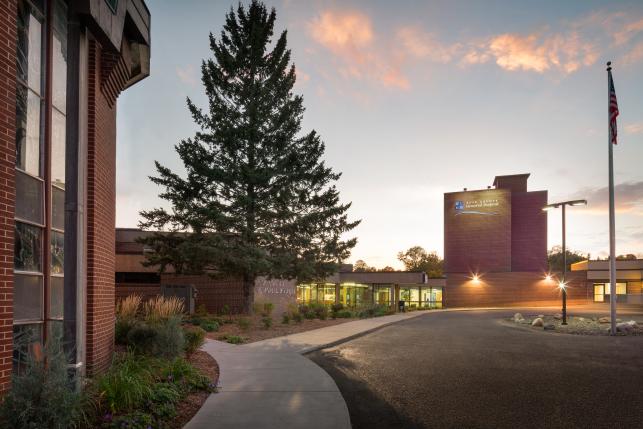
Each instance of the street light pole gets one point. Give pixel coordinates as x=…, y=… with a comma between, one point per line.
x=563, y=284
x=564, y=271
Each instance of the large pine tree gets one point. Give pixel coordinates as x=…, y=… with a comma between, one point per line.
x=257, y=198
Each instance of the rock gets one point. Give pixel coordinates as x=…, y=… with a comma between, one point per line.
x=580, y=319
x=542, y=316
x=549, y=327
x=633, y=324
x=558, y=316
x=618, y=320
x=604, y=319
x=624, y=328
x=518, y=318
x=537, y=322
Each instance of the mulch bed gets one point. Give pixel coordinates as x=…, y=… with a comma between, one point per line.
x=187, y=408
x=256, y=332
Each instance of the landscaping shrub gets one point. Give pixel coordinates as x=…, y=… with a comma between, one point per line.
x=263, y=308
x=228, y=312
x=297, y=317
x=267, y=308
x=310, y=315
x=321, y=311
x=163, y=339
x=163, y=308
x=126, y=312
x=285, y=318
x=303, y=310
x=194, y=338
x=267, y=322
x=336, y=308
x=243, y=323
x=142, y=392
x=233, y=339
x=126, y=385
x=209, y=325
x=344, y=314
x=42, y=395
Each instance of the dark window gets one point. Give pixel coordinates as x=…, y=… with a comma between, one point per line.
x=145, y=278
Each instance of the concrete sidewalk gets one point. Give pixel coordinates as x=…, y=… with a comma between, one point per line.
x=270, y=385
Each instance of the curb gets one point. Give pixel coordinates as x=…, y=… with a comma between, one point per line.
x=312, y=349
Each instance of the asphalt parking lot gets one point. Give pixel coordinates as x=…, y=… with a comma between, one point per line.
x=469, y=370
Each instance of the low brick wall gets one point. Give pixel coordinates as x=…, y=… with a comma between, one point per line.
x=513, y=289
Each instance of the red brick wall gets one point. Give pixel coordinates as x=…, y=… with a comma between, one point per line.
x=513, y=289
x=101, y=202
x=8, y=38
x=477, y=242
x=528, y=231
x=213, y=293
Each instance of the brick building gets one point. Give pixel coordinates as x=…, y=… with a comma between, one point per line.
x=63, y=65
x=495, y=248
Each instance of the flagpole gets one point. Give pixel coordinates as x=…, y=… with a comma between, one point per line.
x=610, y=145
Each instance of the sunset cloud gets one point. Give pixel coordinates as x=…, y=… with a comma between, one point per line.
x=566, y=53
x=628, y=198
x=417, y=43
x=350, y=37
x=636, y=128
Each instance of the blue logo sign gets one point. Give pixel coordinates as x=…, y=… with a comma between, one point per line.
x=459, y=205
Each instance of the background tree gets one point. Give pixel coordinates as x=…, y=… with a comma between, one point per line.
x=257, y=197
x=418, y=259
x=387, y=269
x=555, y=258
x=628, y=257
x=361, y=266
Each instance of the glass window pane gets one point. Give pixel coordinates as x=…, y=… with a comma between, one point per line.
x=29, y=199
x=57, y=208
x=29, y=47
x=25, y=339
x=57, y=252
x=27, y=297
x=58, y=148
x=27, y=249
x=56, y=297
x=27, y=131
x=59, y=55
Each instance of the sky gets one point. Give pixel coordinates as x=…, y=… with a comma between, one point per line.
x=414, y=99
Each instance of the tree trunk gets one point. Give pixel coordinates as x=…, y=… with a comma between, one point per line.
x=248, y=293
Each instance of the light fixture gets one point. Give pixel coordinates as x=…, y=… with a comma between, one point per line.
x=475, y=278
x=548, y=277
x=578, y=203
x=562, y=286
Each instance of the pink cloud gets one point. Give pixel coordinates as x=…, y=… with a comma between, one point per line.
x=417, y=43
x=187, y=75
x=349, y=36
x=627, y=32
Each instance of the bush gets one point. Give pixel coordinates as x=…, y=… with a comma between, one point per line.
x=209, y=326
x=344, y=314
x=162, y=308
x=163, y=339
x=233, y=339
x=194, y=339
x=127, y=308
x=297, y=317
x=244, y=324
x=336, y=308
x=42, y=395
x=267, y=322
x=121, y=330
x=285, y=318
x=126, y=385
x=321, y=312
x=309, y=315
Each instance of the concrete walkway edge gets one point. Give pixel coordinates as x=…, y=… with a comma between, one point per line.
x=270, y=384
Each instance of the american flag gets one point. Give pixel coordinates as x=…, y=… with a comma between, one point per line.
x=613, y=109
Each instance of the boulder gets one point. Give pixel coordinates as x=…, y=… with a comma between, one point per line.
x=558, y=316
x=633, y=324
x=604, y=319
x=518, y=317
x=542, y=316
x=580, y=319
x=624, y=328
x=537, y=322
x=549, y=327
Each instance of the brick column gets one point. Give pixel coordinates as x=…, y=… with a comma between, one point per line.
x=8, y=39
x=101, y=202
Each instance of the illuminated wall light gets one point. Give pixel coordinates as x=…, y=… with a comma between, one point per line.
x=548, y=277
x=562, y=285
x=475, y=278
